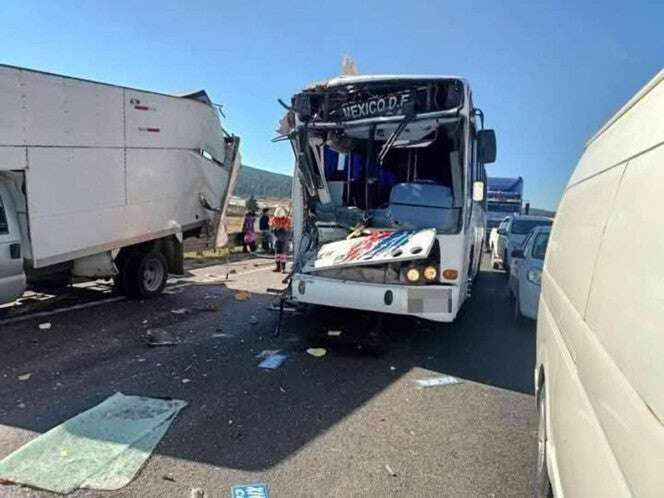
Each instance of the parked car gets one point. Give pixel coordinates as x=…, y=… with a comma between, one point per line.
x=526, y=272
x=512, y=235
x=599, y=372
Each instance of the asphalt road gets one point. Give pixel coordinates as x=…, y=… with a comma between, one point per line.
x=352, y=423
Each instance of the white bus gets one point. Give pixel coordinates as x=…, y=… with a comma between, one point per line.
x=388, y=193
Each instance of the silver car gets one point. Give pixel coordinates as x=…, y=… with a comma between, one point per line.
x=526, y=272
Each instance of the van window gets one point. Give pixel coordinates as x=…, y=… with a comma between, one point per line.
x=4, y=227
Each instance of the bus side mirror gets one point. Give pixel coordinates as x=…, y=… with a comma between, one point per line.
x=478, y=191
x=486, y=145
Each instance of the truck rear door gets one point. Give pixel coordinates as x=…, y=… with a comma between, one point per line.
x=12, y=277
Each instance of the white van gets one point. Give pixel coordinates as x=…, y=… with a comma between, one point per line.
x=600, y=336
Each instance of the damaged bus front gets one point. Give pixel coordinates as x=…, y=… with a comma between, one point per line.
x=388, y=193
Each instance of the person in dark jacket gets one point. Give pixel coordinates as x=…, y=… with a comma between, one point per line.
x=264, y=227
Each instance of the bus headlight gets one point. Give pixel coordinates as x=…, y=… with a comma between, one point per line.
x=413, y=275
x=430, y=273
x=534, y=276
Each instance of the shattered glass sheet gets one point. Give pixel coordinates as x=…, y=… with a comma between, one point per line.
x=380, y=247
x=101, y=448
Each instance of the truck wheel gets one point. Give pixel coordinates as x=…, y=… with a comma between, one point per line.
x=147, y=273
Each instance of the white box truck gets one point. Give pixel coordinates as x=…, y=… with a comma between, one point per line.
x=99, y=181
x=388, y=193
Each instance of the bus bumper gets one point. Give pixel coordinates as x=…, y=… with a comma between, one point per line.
x=439, y=303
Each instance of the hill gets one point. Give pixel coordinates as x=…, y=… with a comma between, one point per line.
x=261, y=183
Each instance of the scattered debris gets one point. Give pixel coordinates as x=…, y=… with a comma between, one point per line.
x=197, y=493
x=180, y=311
x=390, y=471
x=250, y=490
x=334, y=333
x=267, y=352
x=273, y=361
x=282, y=389
x=21, y=405
x=288, y=308
x=144, y=322
x=140, y=360
x=393, y=368
x=207, y=307
x=253, y=320
x=186, y=381
x=242, y=295
x=25, y=376
x=317, y=352
x=6, y=482
x=442, y=380
x=45, y=326
x=172, y=291
x=159, y=337
x=168, y=477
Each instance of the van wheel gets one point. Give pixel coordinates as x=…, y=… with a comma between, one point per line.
x=542, y=481
x=147, y=274
x=518, y=317
x=506, y=266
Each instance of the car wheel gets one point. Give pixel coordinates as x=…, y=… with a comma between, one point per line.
x=506, y=266
x=542, y=482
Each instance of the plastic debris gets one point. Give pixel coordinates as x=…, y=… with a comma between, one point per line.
x=45, y=326
x=441, y=380
x=186, y=381
x=250, y=490
x=393, y=368
x=253, y=320
x=242, y=295
x=159, y=337
x=317, y=352
x=390, y=471
x=168, y=477
x=25, y=376
x=267, y=352
x=179, y=311
x=334, y=333
x=273, y=361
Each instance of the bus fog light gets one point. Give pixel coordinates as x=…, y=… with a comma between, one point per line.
x=430, y=273
x=413, y=275
x=450, y=274
x=389, y=297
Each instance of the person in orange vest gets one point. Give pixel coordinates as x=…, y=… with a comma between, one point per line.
x=281, y=227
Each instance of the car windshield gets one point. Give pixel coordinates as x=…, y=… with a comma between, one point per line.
x=522, y=227
x=539, y=245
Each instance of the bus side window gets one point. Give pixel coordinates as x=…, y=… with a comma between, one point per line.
x=4, y=226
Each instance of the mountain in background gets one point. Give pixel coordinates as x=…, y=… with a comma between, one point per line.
x=261, y=183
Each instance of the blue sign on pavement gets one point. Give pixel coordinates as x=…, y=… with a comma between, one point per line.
x=250, y=491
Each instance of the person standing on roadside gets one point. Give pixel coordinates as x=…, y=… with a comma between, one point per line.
x=264, y=227
x=281, y=226
x=249, y=232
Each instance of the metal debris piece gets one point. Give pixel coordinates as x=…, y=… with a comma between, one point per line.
x=159, y=337
x=242, y=295
x=334, y=333
x=317, y=352
x=179, y=311
x=186, y=381
x=441, y=380
x=273, y=361
x=390, y=471
x=207, y=307
x=25, y=376
x=45, y=326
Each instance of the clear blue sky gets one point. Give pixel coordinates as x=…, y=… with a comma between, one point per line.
x=547, y=74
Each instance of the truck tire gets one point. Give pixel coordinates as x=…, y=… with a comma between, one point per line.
x=146, y=274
